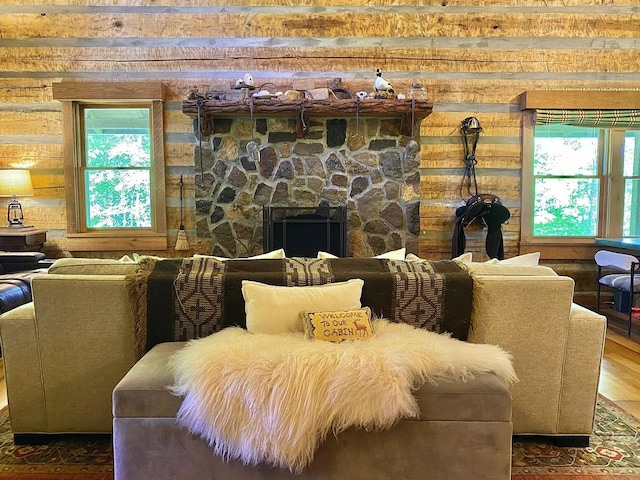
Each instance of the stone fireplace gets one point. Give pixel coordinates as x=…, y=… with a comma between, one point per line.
x=339, y=161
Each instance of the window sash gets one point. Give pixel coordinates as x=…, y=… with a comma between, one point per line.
x=83, y=168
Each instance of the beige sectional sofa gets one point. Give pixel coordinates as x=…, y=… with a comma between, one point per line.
x=67, y=350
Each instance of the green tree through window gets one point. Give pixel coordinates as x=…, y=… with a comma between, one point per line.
x=117, y=166
x=573, y=168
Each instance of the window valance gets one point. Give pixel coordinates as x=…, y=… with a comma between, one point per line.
x=589, y=118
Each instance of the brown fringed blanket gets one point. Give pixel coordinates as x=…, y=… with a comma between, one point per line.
x=183, y=299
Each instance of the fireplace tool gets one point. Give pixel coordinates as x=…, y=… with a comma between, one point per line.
x=181, y=241
x=199, y=103
x=412, y=147
x=252, y=146
x=358, y=135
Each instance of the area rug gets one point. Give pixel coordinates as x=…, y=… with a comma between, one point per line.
x=614, y=453
x=67, y=457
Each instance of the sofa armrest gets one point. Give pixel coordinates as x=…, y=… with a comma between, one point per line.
x=82, y=338
x=528, y=316
x=585, y=347
x=22, y=369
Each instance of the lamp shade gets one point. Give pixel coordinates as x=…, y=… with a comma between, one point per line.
x=15, y=183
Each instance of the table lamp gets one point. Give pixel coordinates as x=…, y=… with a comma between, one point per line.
x=14, y=183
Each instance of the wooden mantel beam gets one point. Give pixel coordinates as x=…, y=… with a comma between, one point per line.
x=314, y=108
x=320, y=108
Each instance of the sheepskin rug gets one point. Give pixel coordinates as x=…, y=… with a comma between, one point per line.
x=274, y=398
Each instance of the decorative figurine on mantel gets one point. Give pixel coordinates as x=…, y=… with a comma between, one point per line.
x=245, y=84
x=383, y=88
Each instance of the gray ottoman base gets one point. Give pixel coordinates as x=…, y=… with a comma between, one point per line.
x=149, y=444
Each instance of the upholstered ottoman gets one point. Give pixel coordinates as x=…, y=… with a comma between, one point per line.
x=463, y=431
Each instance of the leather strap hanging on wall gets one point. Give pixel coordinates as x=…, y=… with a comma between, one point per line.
x=486, y=208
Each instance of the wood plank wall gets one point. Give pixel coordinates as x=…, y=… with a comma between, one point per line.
x=474, y=56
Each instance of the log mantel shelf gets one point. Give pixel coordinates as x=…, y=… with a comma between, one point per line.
x=310, y=108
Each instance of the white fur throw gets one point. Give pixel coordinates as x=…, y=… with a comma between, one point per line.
x=274, y=398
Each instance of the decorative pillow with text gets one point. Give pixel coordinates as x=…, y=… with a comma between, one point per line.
x=338, y=326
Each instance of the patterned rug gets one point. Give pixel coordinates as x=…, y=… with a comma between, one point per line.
x=614, y=452
x=69, y=457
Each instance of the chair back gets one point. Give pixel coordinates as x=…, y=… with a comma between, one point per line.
x=621, y=261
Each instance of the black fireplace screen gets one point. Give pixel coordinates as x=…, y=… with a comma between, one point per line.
x=304, y=231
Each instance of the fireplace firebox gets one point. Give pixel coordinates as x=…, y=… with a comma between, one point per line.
x=304, y=231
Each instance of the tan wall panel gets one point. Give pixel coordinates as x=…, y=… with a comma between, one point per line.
x=355, y=3
x=189, y=218
x=30, y=123
x=31, y=156
x=362, y=24
x=179, y=154
x=137, y=59
x=506, y=90
x=488, y=155
x=448, y=209
x=44, y=217
x=25, y=90
x=178, y=122
x=448, y=187
x=493, y=124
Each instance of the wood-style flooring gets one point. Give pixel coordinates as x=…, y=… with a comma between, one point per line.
x=619, y=378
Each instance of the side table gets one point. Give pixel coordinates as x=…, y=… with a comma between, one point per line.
x=22, y=239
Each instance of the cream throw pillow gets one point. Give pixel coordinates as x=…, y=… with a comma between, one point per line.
x=393, y=255
x=464, y=258
x=273, y=254
x=528, y=260
x=325, y=255
x=277, y=309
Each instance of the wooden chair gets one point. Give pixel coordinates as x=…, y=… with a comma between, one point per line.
x=619, y=272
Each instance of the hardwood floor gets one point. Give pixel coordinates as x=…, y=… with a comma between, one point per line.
x=620, y=375
x=619, y=378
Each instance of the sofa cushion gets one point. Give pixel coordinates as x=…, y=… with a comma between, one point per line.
x=92, y=266
x=143, y=392
x=506, y=269
x=276, y=309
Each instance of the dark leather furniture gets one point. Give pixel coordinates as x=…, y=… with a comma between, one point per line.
x=16, y=271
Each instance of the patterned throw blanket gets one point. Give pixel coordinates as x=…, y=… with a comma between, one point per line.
x=183, y=299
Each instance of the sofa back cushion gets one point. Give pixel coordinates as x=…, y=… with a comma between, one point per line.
x=490, y=268
x=92, y=266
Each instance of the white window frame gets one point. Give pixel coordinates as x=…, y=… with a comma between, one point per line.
x=144, y=94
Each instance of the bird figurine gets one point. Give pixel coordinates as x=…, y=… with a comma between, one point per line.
x=248, y=80
x=382, y=87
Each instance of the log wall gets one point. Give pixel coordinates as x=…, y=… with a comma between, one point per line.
x=474, y=56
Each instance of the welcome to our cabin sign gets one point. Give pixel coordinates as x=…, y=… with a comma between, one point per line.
x=339, y=326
